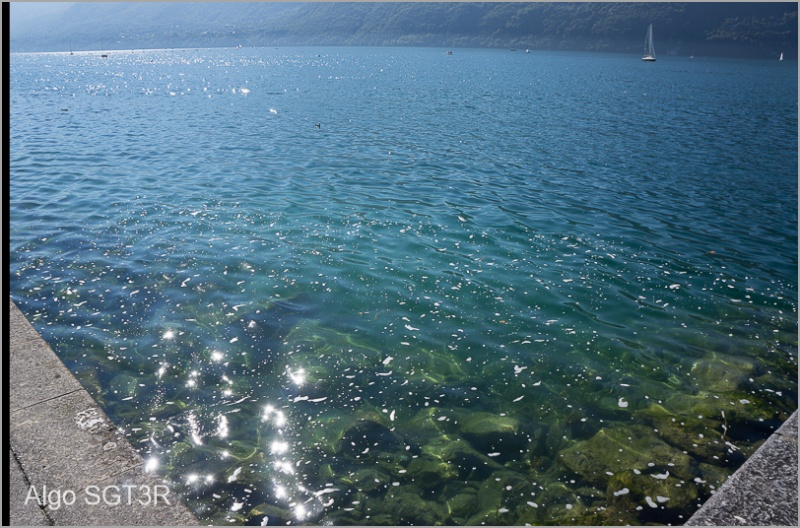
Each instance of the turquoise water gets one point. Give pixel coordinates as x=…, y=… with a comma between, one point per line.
x=489, y=288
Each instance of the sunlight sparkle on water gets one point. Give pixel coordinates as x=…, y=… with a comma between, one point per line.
x=151, y=464
x=279, y=447
x=298, y=377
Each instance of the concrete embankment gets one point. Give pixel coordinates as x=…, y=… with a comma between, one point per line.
x=763, y=492
x=68, y=463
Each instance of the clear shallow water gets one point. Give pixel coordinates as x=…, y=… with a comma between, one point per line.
x=490, y=288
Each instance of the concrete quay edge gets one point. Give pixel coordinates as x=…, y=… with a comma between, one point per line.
x=763, y=492
x=68, y=463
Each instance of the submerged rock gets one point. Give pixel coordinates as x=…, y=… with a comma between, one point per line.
x=470, y=463
x=123, y=386
x=721, y=374
x=364, y=436
x=497, y=436
x=424, y=428
x=620, y=449
x=430, y=472
x=407, y=507
x=367, y=479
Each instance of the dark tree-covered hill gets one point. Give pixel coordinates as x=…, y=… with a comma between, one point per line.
x=755, y=29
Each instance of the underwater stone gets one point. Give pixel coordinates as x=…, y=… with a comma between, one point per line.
x=430, y=472
x=679, y=495
x=620, y=449
x=504, y=489
x=423, y=428
x=471, y=463
x=491, y=433
x=276, y=514
x=461, y=500
x=367, y=479
x=721, y=375
x=123, y=386
x=367, y=435
x=409, y=508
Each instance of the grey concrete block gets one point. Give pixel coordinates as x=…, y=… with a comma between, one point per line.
x=36, y=373
x=130, y=499
x=69, y=442
x=763, y=492
x=65, y=448
x=22, y=512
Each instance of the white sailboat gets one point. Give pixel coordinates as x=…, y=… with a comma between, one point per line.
x=649, y=51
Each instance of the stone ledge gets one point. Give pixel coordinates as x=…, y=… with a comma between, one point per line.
x=763, y=492
x=63, y=445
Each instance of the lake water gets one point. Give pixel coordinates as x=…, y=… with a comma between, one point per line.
x=397, y=286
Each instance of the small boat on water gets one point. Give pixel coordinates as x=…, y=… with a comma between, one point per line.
x=649, y=51
x=781, y=58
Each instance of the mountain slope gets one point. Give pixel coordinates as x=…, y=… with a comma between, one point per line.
x=749, y=29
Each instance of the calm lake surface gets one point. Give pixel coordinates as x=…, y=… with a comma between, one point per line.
x=397, y=286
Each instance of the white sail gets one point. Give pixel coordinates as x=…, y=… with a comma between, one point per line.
x=649, y=50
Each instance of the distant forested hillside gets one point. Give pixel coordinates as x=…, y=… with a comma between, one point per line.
x=744, y=29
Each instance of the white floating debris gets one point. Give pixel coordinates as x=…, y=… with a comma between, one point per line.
x=650, y=502
x=391, y=416
x=622, y=403
x=235, y=475
x=518, y=399
x=387, y=360
x=462, y=218
x=660, y=476
x=674, y=286
x=661, y=499
x=493, y=454
x=623, y=491
x=409, y=327
x=532, y=504
x=237, y=506
x=324, y=491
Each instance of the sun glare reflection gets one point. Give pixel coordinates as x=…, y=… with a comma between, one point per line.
x=298, y=377
x=151, y=465
x=279, y=447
